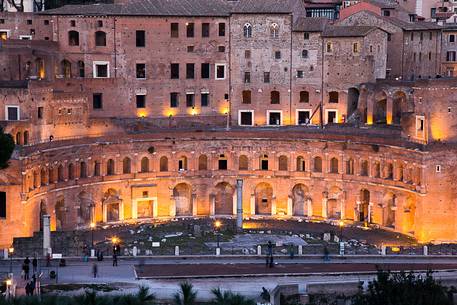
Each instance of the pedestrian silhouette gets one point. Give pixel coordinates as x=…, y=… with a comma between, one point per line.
x=95, y=270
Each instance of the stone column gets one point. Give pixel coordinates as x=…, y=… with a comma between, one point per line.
x=105, y=212
x=343, y=205
x=46, y=234
x=234, y=202
x=155, y=208
x=172, y=206
x=310, y=207
x=389, y=112
x=194, y=204
x=357, y=207
x=252, y=203
x=212, y=200
x=289, y=206
x=324, y=204
x=239, y=203
x=273, y=205
x=370, y=101
x=134, y=208
x=121, y=210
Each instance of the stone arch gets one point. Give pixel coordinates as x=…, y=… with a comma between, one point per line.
x=36, y=180
x=73, y=38
x=51, y=175
x=112, y=206
x=60, y=212
x=26, y=138
x=163, y=164
x=353, y=101
x=364, y=168
x=85, y=209
x=83, y=169
x=65, y=68
x=126, y=165
x=110, y=170
x=247, y=30
x=389, y=207
x=301, y=164
x=399, y=106
x=363, y=209
x=224, y=199
x=409, y=210
x=263, y=199
x=182, y=194
x=144, y=165
x=222, y=162
x=263, y=162
x=71, y=171
x=399, y=171
x=283, y=163
x=317, y=164
x=334, y=163
x=60, y=175
x=380, y=108
x=203, y=163
x=243, y=162
x=301, y=201
x=100, y=39
x=97, y=167
x=182, y=163
x=389, y=171
x=18, y=138
x=350, y=166
x=43, y=177
x=334, y=203
x=376, y=169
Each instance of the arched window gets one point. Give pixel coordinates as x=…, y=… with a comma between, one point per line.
x=97, y=166
x=164, y=164
x=263, y=162
x=65, y=68
x=243, y=163
x=110, y=167
x=317, y=164
x=83, y=170
x=36, y=182
x=333, y=97
x=18, y=138
x=377, y=170
x=364, y=168
x=300, y=164
x=247, y=30
x=389, y=171
x=40, y=70
x=222, y=162
x=350, y=166
x=126, y=165
x=43, y=177
x=202, y=163
x=71, y=171
x=182, y=163
x=73, y=38
x=144, y=165
x=334, y=165
x=81, y=68
x=275, y=97
x=304, y=97
x=51, y=177
x=100, y=39
x=283, y=166
x=274, y=30
x=26, y=138
x=60, y=177
x=304, y=53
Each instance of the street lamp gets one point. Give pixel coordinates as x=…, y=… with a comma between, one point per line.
x=115, y=240
x=341, y=225
x=8, y=283
x=217, y=225
x=92, y=227
x=10, y=252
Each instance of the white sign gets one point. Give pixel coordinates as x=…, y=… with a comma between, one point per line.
x=156, y=244
x=56, y=255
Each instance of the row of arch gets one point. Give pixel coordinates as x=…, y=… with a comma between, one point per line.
x=389, y=170
x=302, y=203
x=274, y=30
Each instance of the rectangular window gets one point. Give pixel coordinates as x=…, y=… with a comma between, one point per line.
x=247, y=54
x=332, y=116
x=412, y=36
x=266, y=77
x=419, y=123
x=221, y=29
x=452, y=38
x=355, y=47
x=190, y=29
x=12, y=113
x=329, y=47
x=205, y=29
x=174, y=27
x=221, y=49
x=274, y=118
x=277, y=54
x=174, y=99
x=450, y=56
x=204, y=99
x=140, y=39
x=101, y=69
x=190, y=100
x=46, y=22
x=422, y=36
x=190, y=49
x=190, y=68
x=29, y=21
x=2, y=204
x=220, y=71
x=246, y=96
x=303, y=117
x=97, y=101
x=72, y=23
x=2, y=21
x=205, y=68
x=306, y=36
x=300, y=74
x=174, y=71
x=141, y=101
x=247, y=77
x=246, y=117
x=141, y=71
x=40, y=112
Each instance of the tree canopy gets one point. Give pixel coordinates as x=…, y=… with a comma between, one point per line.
x=6, y=148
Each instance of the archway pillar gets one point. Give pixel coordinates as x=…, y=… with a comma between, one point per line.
x=172, y=206
x=134, y=208
x=252, y=203
x=370, y=105
x=234, y=202
x=273, y=205
x=212, y=201
x=121, y=209
x=309, y=206
x=389, y=110
x=289, y=206
x=194, y=204
x=342, y=206
x=105, y=212
x=357, y=207
x=324, y=205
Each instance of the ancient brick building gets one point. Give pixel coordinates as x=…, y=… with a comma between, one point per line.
x=122, y=112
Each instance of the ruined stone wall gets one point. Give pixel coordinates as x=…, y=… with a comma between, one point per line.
x=449, y=66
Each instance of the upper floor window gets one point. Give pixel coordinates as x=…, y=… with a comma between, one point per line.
x=333, y=97
x=355, y=47
x=205, y=29
x=247, y=30
x=140, y=38
x=451, y=38
x=73, y=38
x=275, y=97
x=222, y=29
x=100, y=39
x=190, y=29
x=306, y=36
x=304, y=53
x=174, y=28
x=329, y=47
x=101, y=69
x=274, y=30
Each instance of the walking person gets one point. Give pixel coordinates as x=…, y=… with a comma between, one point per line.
x=114, y=259
x=35, y=264
x=270, y=253
x=26, y=271
x=326, y=254
x=95, y=270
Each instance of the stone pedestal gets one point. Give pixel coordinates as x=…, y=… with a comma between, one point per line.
x=46, y=234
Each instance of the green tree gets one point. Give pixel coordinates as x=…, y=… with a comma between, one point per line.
x=403, y=289
x=6, y=148
x=186, y=295
x=229, y=298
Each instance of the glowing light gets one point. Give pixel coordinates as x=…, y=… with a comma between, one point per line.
x=92, y=225
x=395, y=249
x=370, y=119
x=11, y=250
x=115, y=240
x=341, y=223
x=142, y=113
x=8, y=282
x=169, y=113
x=217, y=224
